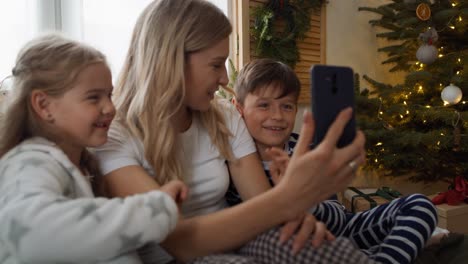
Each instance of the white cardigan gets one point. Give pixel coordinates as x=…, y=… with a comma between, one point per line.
x=48, y=213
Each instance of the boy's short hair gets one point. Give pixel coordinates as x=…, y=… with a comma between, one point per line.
x=259, y=73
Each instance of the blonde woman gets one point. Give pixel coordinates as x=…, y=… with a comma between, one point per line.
x=169, y=126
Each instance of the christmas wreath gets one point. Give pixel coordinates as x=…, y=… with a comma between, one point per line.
x=278, y=25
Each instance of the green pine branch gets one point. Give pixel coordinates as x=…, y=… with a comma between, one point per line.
x=409, y=130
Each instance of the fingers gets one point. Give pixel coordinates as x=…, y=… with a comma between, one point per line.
x=275, y=173
x=346, y=174
x=183, y=194
x=321, y=234
x=353, y=155
x=307, y=132
x=308, y=227
x=355, y=149
x=288, y=230
x=329, y=236
x=328, y=163
x=279, y=163
x=277, y=154
x=336, y=128
x=176, y=189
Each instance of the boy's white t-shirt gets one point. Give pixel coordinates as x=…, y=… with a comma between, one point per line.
x=206, y=175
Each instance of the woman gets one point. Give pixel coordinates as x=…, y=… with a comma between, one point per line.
x=169, y=127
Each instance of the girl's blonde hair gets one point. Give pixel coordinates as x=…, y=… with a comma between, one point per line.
x=50, y=63
x=151, y=87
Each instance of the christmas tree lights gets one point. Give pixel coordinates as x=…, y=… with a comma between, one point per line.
x=410, y=129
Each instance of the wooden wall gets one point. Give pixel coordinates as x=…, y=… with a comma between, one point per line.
x=312, y=48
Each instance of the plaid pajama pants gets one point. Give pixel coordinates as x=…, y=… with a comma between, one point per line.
x=265, y=249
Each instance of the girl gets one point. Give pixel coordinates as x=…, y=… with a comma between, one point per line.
x=60, y=106
x=169, y=127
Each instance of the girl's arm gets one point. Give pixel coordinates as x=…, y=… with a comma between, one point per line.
x=39, y=224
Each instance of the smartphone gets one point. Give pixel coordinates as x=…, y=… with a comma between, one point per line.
x=332, y=90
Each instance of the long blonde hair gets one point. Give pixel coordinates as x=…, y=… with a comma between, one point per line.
x=151, y=88
x=50, y=63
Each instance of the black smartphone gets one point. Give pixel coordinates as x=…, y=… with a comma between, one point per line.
x=332, y=90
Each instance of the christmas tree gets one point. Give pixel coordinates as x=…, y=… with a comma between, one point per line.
x=419, y=127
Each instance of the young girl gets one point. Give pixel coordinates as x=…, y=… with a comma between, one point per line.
x=48, y=214
x=169, y=127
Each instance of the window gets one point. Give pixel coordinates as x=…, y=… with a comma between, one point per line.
x=112, y=33
x=108, y=29
x=16, y=29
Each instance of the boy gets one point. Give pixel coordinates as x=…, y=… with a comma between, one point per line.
x=267, y=92
x=272, y=106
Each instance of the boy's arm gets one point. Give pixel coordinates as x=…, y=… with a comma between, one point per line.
x=248, y=176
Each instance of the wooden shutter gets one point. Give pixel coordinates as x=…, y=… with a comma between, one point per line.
x=311, y=49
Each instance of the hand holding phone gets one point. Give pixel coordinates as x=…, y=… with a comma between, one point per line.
x=332, y=90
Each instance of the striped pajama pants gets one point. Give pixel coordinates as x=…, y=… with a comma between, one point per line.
x=391, y=233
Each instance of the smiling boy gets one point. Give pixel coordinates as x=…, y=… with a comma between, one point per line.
x=268, y=105
x=267, y=92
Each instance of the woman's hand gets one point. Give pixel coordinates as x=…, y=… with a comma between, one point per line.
x=279, y=163
x=314, y=175
x=305, y=226
x=177, y=190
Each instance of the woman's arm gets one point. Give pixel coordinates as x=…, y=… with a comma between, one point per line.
x=203, y=235
x=232, y=227
x=118, y=184
x=203, y=232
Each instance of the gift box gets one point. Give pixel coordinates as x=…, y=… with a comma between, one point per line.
x=453, y=217
x=357, y=200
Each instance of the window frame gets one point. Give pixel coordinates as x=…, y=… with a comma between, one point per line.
x=67, y=17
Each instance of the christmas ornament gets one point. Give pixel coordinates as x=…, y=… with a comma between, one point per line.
x=451, y=94
x=426, y=54
x=423, y=11
x=430, y=36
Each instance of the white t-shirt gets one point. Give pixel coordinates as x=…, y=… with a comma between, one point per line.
x=206, y=172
